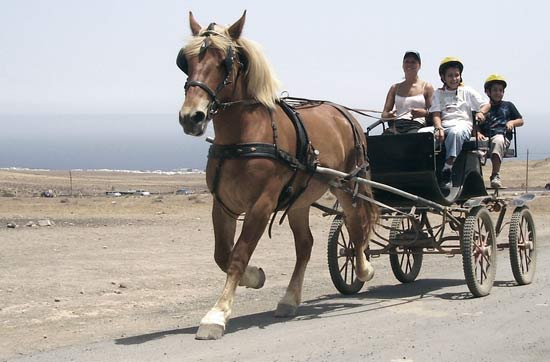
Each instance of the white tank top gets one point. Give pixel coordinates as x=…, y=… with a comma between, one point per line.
x=403, y=106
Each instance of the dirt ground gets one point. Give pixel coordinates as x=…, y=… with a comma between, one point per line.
x=111, y=267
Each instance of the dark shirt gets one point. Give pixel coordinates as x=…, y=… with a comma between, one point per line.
x=497, y=118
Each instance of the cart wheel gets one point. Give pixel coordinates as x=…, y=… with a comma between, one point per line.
x=341, y=259
x=405, y=266
x=523, y=241
x=479, y=251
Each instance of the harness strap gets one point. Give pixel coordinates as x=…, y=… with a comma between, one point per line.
x=254, y=150
x=360, y=148
x=302, y=139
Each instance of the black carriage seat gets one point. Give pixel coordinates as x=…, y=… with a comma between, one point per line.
x=411, y=162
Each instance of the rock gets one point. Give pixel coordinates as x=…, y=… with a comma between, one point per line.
x=12, y=225
x=45, y=222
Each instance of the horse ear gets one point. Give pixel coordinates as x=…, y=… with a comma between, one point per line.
x=195, y=27
x=236, y=29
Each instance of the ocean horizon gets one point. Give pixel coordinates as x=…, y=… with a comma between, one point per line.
x=99, y=142
x=141, y=142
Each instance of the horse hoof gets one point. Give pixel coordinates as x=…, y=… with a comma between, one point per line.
x=285, y=310
x=210, y=331
x=261, y=278
x=253, y=277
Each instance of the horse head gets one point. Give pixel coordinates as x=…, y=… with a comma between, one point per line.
x=223, y=69
x=212, y=63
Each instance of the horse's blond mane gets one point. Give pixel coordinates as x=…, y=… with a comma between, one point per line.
x=260, y=80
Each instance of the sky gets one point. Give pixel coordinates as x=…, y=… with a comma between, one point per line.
x=101, y=57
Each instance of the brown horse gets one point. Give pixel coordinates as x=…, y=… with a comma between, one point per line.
x=255, y=166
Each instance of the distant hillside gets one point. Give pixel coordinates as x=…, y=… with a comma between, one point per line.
x=514, y=173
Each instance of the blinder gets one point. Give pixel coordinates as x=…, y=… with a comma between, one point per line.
x=228, y=63
x=181, y=60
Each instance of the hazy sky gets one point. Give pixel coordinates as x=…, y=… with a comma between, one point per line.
x=118, y=56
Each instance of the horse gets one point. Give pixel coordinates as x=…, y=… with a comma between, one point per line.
x=262, y=160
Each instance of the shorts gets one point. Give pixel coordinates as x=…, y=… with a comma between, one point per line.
x=499, y=145
x=403, y=126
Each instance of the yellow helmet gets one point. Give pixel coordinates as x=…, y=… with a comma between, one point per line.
x=448, y=62
x=495, y=78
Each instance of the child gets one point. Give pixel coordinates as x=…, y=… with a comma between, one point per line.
x=500, y=121
x=452, y=107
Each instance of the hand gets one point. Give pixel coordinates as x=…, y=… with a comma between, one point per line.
x=417, y=112
x=481, y=136
x=510, y=126
x=392, y=114
x=439, y=134
x=480, y=117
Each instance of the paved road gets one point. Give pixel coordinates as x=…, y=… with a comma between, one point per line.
x=433, y=319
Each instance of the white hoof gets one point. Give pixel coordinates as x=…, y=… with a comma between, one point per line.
x=210, y=331
x=285, y=310
x=212, y=325
x=366, y=274
x=253, y=277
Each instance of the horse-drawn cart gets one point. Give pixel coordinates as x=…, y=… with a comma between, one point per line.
x=271, y=154
x=418, y=217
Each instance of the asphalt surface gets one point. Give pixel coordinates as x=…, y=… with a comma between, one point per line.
x=433, y=319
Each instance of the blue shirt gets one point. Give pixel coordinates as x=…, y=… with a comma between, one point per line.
x=497, y=118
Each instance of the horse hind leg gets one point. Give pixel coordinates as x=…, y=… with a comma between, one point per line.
x=303, y=241
x=357, y=219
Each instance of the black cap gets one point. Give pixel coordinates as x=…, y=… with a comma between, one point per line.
x=413, y=53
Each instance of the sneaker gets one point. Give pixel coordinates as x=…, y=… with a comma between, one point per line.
x=445, y=182
x=496, y=183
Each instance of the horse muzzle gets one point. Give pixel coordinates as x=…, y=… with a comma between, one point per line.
x=193, y=123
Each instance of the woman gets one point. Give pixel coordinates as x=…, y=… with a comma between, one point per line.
x=411, y=98
x=452, y=107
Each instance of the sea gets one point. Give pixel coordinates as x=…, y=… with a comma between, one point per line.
x=135, y=142
x=144, y=142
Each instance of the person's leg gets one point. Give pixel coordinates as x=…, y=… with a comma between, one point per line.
x=454, y=139
x=498, y=149
x=499, y=144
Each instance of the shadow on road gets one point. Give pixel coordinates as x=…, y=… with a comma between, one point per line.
x=332, y=305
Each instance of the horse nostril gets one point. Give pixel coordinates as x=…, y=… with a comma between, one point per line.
x=181, y=119
x=198, y=117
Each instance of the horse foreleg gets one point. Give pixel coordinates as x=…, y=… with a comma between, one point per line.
x=224, y=235
x=213, y=324
x=303, y=241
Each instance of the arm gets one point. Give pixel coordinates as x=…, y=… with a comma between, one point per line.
x=516, y=118
x=483, y=110
x=439, y=132
x=390, y=102
x=518, y=122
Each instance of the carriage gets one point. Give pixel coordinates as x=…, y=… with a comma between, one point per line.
x=273, y=155
x=419, y=217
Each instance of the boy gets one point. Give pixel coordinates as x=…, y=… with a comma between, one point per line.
x=499, y=124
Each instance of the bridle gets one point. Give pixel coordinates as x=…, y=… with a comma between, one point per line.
x=229, y=61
